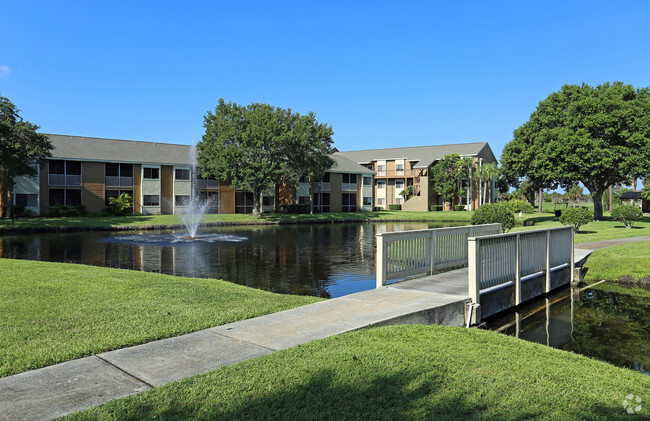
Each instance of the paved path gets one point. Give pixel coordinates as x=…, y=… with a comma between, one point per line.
x=71, y=386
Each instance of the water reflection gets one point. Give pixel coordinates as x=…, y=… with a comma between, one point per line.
x=320, y=260
x=600, y=324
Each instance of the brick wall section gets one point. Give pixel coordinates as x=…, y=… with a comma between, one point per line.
x=93, y=186
x=226, y=198
x=137, y=188
x=336, y=192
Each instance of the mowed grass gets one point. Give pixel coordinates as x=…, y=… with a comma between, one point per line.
x=53, y=312
x=93, y=221
x=397, y=373
x=623, y=260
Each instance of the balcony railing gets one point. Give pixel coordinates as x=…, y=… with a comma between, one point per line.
x=350, y=186
x=64, y=180
x=207, y=184
x=322, y=186
x=395, y=173
x=113, y=181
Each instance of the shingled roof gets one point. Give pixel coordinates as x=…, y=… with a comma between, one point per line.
x=424, y=155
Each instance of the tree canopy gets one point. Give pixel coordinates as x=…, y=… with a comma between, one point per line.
x=258, y=146
x=20, y=148
x=597, y=136
x=448, y=176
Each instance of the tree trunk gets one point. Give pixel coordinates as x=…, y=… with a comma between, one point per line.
x=257, y=208
x=611, y=200
x=311, y=195
x=7, y=188
x=541, y=201
x=597, y=197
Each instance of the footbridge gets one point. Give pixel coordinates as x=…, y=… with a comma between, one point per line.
x=492, y=270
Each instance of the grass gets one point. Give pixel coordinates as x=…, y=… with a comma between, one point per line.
x=53, y=312
x=89, y=222
x=397, y=372
x=616, y=262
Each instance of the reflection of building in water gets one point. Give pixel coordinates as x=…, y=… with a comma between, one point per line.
x=548, y=321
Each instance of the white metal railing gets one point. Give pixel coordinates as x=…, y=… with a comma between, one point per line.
x=119, y=181
x=322, y=186
x=350, y=187
x=406, y=253
x=64, y=179
x=505, y=259
x=206, y=184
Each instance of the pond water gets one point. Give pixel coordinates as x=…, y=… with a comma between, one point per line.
x=600, y=324
x=325, y=260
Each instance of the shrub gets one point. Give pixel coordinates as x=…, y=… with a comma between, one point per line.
x=493, y=213
x=518, y=205
x=394, y=207
x=119, y=205
x=459, y=207
x=576, y=217
x=293, y=209
x=59, y=211
x=627, y=214
x=436, y=208
x=18, y=211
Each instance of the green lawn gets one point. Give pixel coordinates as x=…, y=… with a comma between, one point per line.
x=612, y=263
x=270, y=218
x=53, y=312
x=397, y=373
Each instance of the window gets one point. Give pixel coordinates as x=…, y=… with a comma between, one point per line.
x=399, y=167
x=349, y=201
x=367, y=181
x=151, y=173
x=212, y=200
x=367, y=201
x=381, y=201
x=381, y=184
x=151, y=200
x=64, y=173
x=118, y=174
x=321, y=202
x=399, y=185
x=69, y=197
x=243, y=202
x=181, y=174
x=381, y=168
x=181, y=200
x=326, y=177
x=56, y=167
x=26, y=199
x=268, y=201
x=303, y=200
x=350, y=178
x=399, y=200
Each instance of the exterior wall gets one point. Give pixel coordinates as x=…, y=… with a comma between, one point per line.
x=336, y=191
x=151, y=187
x=367, y=191
x=27, y=185
x=181, y=188
x=167, y=189
x=45, y=193
x=226, y=198
x=137, y=188
x=93, y=190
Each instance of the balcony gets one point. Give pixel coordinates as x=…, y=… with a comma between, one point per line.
x=322, y=186
x=112, y=181
x=207, y=184
x=395, y=173
x=64, y=180
x=350, y=186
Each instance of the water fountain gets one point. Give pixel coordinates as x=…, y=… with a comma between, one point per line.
x=197, y=206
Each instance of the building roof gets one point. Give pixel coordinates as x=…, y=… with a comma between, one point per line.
x=81, y=148
x=424, y=155
x=631, y=195
x=345, y=165
x=112, y=150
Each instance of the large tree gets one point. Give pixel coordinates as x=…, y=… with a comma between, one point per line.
x=597, y=136
x=448, y=176
x=20, y=148
x=258, y=146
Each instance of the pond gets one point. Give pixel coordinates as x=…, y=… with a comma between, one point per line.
x=605, y=325
x=325, y=260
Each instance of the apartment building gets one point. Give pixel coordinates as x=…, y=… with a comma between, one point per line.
x=397, y=168
x=158, y=176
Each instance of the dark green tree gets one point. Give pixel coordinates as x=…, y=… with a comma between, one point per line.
x=20, y=147
x=448, y=176
x=597, y=136
x=258, y=146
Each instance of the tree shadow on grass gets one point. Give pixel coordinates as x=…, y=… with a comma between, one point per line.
x=325, y=396
x=532, y=221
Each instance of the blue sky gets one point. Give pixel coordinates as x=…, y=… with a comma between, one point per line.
x=383, y=74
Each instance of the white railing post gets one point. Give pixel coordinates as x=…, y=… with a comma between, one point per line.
x=473, y=245
x=381, y=263
x=517, y=274
x=548, y=261
x=434, y=238
x=573, y=263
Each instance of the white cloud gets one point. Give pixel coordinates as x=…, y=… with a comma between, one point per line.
x=4, y=70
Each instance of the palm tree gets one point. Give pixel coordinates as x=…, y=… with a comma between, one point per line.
x=485, y=174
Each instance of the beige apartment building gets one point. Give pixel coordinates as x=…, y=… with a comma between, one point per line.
x=397, y=168
x=158, y=176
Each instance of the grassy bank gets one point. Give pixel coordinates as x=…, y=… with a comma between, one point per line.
x=628, y=262
x=89, y=222
x=54, y=312
x=397, y=372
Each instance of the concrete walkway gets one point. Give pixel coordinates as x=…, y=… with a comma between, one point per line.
x=58, y=390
